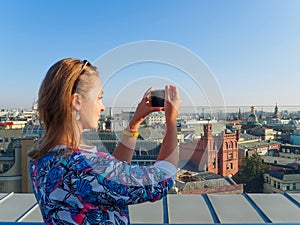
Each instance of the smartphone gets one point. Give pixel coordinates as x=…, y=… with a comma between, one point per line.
x=157, y=98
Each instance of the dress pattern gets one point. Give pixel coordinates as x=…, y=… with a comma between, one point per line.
x=92, y=187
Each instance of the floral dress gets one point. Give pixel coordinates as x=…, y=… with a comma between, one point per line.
x=85, y=187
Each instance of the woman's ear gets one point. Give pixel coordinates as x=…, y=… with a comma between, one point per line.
x=76, y=101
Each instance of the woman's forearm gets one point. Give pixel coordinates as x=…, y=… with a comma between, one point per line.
x=169, y=147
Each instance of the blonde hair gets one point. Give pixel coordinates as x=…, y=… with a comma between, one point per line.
x=63, y=79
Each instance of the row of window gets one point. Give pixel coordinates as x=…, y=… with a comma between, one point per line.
x=280, y=185
x=230, y=145
x=287, y=150
x=6, y=139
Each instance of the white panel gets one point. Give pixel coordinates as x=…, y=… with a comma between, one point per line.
x=188, y=209
x=148, y=212
x=277, y=208
x=34, y=215
x=296, y=197
x=232, y=208
x=12, y=207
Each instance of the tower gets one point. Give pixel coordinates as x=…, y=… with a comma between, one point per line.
x=240, y=114
x=228, y=154
x=209, y=150
x=276, y=112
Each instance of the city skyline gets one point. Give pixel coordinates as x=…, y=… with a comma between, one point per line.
x=250, y=48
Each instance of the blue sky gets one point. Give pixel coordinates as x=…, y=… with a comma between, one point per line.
x=251, y=47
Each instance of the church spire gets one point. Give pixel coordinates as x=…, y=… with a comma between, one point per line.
x=276, y=112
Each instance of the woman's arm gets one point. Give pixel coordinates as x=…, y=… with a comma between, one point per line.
x=125, y=148
x=169, y=148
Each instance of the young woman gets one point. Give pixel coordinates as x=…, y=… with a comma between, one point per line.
x=74, y=183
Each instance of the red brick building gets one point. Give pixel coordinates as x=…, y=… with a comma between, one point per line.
x=213, y=153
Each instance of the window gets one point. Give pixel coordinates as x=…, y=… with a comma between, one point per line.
x=266, y=179
x=230, y=156
x=294, y=186
x=230, y=166
x=214, y=163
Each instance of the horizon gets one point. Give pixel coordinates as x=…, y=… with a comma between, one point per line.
x=245, y=53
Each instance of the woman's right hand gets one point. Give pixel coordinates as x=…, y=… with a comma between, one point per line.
x=172, y=103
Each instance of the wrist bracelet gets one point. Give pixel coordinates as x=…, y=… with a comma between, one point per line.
x=131, y=134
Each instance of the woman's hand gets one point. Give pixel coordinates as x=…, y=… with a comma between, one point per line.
x=143, y=110
x=172, y=103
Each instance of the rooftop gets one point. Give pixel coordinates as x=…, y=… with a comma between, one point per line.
x=280, y=209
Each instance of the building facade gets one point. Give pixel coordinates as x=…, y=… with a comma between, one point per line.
x=213, y=153
x=280, y=181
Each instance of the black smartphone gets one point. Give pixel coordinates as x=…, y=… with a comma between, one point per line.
x=157, y=98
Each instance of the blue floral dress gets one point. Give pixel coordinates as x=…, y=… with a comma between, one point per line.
x=93, y=188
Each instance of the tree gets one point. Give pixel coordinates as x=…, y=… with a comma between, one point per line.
x=252, y=174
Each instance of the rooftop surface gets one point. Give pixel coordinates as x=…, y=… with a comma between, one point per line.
x=280, y=209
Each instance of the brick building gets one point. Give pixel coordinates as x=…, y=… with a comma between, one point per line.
x=213, y=153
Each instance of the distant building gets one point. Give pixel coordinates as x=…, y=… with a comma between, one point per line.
x=290, y=151
x=14, y=175
x=6, y=136
x=263, y=132
x=213, y=153
x=281, y=181
x=261, y=147
x=252, y=118
x=295, y=137
x=205, y=183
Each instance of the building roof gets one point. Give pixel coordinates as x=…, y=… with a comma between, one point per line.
x=258, y=144
x=284, y=176
x=281, y=209
x=279, y=160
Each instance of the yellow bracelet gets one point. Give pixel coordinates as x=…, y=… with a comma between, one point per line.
x=131, y=134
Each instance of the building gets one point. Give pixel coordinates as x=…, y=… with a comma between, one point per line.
x=261, y=147
x=213, y=153
x=281, y=181
x=156, y=118
x=14, y=166
x=263, y=132
x=290, y=151
x=188, y=182
x=6, y=136
x=295, y=137
x=252, y=118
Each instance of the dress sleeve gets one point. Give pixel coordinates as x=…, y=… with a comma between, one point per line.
x=124, y=183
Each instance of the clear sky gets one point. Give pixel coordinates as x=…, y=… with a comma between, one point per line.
x=251, y=47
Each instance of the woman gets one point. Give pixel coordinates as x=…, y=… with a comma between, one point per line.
x=73, y=182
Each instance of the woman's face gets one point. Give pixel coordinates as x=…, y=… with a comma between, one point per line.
x=92, y=106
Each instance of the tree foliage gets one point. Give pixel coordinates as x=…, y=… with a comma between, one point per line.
x=252, y=174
